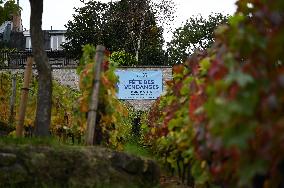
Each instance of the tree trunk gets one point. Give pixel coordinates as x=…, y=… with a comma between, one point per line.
x=43, y=111
x=140, y=38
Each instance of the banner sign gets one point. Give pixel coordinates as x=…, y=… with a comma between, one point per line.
x=140, y=84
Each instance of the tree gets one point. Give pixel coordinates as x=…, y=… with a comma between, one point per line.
x=196, y=34
x=43, y=111
x=7, y=10
x=143, y=35
x=125, y=25
x=121, y=58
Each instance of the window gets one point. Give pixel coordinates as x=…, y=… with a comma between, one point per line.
x=56, y=41
x=28, y=43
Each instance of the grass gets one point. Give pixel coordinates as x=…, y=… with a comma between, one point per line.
x=134, y=148
x=45, y=141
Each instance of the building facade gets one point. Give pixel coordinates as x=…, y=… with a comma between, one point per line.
x=53, y=40
x=12, y=35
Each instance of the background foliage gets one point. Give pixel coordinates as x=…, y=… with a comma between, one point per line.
x=196, y=34
x=7, y=9
x=130, y=26
x=123, y=58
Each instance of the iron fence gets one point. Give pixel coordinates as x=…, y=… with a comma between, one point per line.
x=18, y=59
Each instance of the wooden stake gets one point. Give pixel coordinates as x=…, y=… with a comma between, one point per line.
x=93, y=106
x=13, y=100
x=24, y=98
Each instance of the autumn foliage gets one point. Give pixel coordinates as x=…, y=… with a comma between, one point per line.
x=223, y=113
x=70, y=105
x=62, y=107
x=113, y=123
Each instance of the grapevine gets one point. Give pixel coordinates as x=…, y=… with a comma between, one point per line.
x=114, y=124
x=223, y=113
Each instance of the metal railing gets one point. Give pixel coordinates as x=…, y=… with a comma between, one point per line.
x=18, y=59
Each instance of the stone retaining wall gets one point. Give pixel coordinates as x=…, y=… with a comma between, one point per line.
x=67, y=166
x=67, y=77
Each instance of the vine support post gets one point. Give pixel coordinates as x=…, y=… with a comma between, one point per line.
x=24, y=97
x=13, y=100
x=93, y=105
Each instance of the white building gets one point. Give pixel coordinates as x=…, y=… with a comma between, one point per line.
x=53, y=39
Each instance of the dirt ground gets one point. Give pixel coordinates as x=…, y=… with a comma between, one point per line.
x=171, y=182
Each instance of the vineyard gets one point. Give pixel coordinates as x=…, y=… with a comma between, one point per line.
x=70, y=107
x=220, y=122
